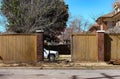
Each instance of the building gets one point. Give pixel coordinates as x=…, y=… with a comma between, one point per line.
x=93, y=28
x=109, y=20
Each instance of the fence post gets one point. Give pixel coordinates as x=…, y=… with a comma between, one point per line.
x=40, y=47
x=101, y=48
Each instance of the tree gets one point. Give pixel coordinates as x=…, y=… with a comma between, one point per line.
x=75, y=25
x=27, y=16
x=78, y=25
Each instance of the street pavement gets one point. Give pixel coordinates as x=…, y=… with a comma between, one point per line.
x=37, y=73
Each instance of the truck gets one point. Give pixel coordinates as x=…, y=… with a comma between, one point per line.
x=51, y=55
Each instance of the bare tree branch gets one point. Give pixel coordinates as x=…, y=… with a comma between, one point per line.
x=26, y=16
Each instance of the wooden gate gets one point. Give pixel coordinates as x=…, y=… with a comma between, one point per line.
x=112, y=47
x=84, y=47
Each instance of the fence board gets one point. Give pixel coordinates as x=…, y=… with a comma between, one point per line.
x=113, y=46
x=84, y=47
x=18, y=48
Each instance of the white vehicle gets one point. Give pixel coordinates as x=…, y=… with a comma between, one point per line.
x=51, y=55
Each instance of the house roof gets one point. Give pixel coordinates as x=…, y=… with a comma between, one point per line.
x=108, y=15
x=111, y=14
x=94, y=27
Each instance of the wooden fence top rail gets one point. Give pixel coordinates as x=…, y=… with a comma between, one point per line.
x=114, y=34
x=85, y=34
x=3, y=34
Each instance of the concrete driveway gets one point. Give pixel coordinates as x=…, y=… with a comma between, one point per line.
x=36, y=73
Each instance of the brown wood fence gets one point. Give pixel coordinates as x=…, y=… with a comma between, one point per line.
x=112, y=46
x=18, y=48
x=84, y=47
x=95, y=47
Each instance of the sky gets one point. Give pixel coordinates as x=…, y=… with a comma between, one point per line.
x=89, y=8
x=80, y=8
x=3, y=20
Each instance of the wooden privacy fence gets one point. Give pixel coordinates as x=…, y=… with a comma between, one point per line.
x=95, y=47
x=112, y=47
x=16, y=48
x=84, y=47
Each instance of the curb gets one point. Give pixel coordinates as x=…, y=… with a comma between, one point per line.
x=67, y=68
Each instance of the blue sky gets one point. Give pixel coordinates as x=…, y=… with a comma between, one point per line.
x=88, y=8
x=3, y=20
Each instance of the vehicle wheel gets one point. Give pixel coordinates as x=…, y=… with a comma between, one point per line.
x=51, y=57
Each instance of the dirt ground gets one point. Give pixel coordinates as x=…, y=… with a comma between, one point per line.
x=63, y=62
